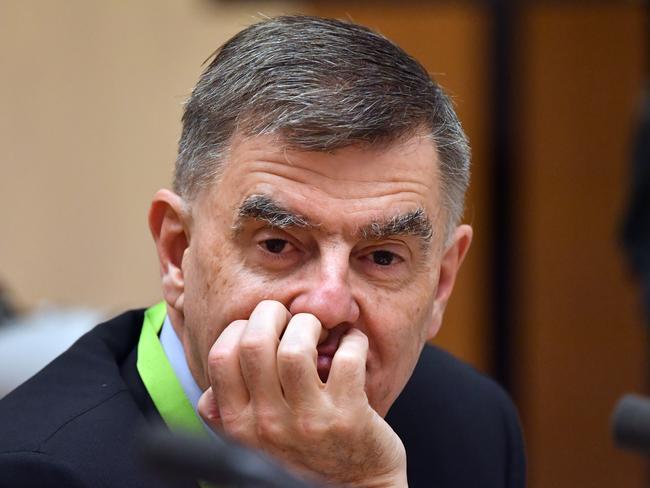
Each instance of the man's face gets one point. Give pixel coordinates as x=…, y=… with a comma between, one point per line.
x=354, y=237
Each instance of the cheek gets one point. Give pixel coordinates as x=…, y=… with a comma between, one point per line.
x=206, y=280
x=223, y=290
x=400, y=324
x=397, y=332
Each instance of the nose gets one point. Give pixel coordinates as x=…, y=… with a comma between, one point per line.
x=328, y=295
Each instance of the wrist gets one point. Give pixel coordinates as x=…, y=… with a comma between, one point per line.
x=391, y=480
x=394, y=478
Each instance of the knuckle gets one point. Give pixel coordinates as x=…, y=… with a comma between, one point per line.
x=268, y=428
x=292, y=354
x=224, y=351
x=348, y=360
x=344, y=426
x=220, y=355
x=233, y=421
x=238, y=431
x=315, y=427
x=230, y=418
x=252, y=345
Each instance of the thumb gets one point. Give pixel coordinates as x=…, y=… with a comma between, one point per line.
x=209, y=410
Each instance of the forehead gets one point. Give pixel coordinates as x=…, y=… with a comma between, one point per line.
x=354, y=184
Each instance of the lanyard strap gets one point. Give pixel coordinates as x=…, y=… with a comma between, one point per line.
x=158, y=376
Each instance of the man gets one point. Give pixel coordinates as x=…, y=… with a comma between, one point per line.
x=307, y=254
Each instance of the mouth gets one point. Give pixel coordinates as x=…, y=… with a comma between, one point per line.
x=323, y=366
x=326, y=351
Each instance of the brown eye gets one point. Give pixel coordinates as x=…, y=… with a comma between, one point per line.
x=383, y=258
x=275, y=246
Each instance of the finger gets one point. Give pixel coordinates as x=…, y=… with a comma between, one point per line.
x=209, y=410
x=297, y=357
x=258, y=349
x=226, y=378
x=347, y=376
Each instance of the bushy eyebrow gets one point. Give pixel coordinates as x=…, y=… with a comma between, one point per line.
x=264, y=208
x=414, y=223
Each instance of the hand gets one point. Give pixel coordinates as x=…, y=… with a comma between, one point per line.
x=266, y=392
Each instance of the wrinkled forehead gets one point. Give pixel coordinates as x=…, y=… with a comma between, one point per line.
x=411, y=159
x=359, y=183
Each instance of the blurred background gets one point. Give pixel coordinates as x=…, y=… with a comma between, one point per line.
x=549, y=92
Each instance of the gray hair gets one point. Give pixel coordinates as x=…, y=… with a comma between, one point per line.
x=320, y=85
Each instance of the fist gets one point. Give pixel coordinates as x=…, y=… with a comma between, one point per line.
x=271, y=389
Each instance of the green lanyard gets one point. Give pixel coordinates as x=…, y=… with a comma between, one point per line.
x=159, y=379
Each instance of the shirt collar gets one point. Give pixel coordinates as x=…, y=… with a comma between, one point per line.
x=174, y=350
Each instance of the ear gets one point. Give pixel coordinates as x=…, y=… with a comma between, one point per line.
x=452, y=258
x=169, y=220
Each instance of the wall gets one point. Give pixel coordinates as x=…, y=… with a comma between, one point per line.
x=91, y=96
x=581, y=342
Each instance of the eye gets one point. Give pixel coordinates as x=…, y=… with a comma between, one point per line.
x=275, y=246
x=273, y=252
x=383, y=258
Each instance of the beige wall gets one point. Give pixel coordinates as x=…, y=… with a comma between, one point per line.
x=90, y=102
x=581, y=340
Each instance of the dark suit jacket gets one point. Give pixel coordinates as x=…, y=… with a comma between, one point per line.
x=74, y=423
